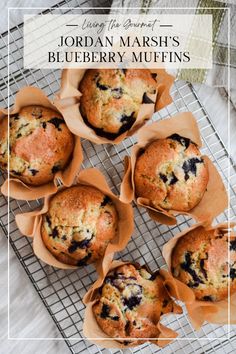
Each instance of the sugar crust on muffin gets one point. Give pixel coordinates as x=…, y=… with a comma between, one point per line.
x=131, y=302
x=79, y=224
x=171, y=174
x=40, y=144
x=111, y=98
x=200, y=260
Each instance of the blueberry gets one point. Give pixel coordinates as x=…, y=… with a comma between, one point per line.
x=73, y=247
x=55, y=169
x=115, y=318
x=186, y=265
x=33, y=171
x=48, y=220
x=207, y=298
x=56, y=122
x=117, y=92
x=183, y=141
x=106, y=201
x=105, y=311
x=84, y=244
x=54, y=232
x=127, y=122
x=233, y=245
x=232, y=273
x=125, y=119
x=154, y=75
x=203, y=269
x=146, y=99
x=190, y=166
x=15, y=173
x=163, y=177
x=78, y=244
x=173, y=180
x=132, y=301
x=101, y=86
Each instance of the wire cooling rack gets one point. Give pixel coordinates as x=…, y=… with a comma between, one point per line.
x=61, y=291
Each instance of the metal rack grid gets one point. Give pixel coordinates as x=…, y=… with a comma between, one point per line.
x=61, y=291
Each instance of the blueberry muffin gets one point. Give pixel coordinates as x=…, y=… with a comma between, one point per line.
x=131, y=301
x=3, y=144
x=40, y=145
x=79, y=224
x=111, y=98
x=171, y=174
x=200, y=260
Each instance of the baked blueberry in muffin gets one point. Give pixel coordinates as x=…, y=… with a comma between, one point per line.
x=111, y=98
x=79, y=224
x=171, y=174
x=131, y=302
x=200, y=260
x=40, y=144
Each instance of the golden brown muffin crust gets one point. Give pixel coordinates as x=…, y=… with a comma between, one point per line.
x=79, y=224
x=200, y=260
x=131, y=302
x=171, y=174
x=40, y=144
x=111, y=98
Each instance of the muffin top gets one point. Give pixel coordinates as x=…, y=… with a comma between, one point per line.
x=130, y=304
x=40, y=144
x=111, y=98
x=200, y=260
x=171, y=174
x=79, y=224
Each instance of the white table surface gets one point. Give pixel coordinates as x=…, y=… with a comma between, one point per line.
x=28, y=316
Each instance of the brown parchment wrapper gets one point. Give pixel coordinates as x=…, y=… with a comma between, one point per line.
x=19, y=190
x=215, y=198
x=30, y=223
x=68, y=102
x=95, y=334
x=200, y=311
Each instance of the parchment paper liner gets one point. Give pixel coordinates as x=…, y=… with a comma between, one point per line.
x=69, y=100
x=19, y=190
x=200, y=311
x=30, y=223
x=93, y=332
x=214, y=200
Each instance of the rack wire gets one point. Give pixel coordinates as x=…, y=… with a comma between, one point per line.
x=61, y=291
